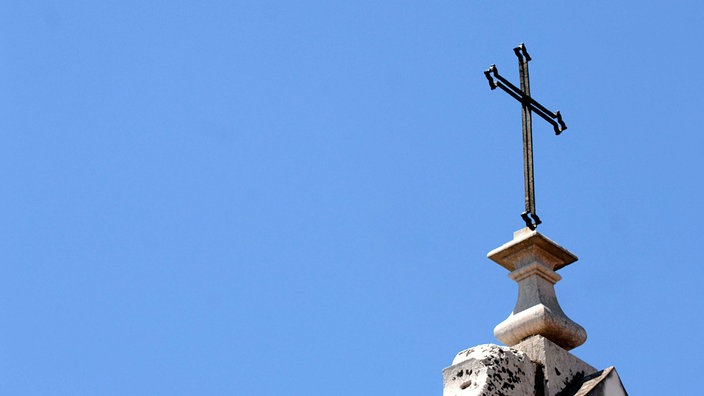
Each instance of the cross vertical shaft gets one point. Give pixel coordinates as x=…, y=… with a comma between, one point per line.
x=527, y=126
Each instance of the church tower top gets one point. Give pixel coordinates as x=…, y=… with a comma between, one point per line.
x=538, y=334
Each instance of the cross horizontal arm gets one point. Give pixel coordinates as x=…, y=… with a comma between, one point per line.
x=555, y=119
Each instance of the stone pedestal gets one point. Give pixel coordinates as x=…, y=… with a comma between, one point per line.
x=559, y=369
x=532, y=259
x=538, y=334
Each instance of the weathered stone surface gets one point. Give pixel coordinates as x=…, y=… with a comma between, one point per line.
x=532, y=259
x=490, y=370
x=561, y=370
x=536, y=366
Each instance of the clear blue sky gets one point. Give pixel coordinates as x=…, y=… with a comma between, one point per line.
x=267, y=197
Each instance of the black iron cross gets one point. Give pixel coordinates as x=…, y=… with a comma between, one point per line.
x=528, y=105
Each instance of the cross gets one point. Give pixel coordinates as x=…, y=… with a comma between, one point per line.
x=528, y=105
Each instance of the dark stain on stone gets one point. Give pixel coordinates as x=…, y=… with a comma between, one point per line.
x=573, y=385
x=539, y=380
x=508, y=385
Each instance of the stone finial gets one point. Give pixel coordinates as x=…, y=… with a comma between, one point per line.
x=532, y=259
